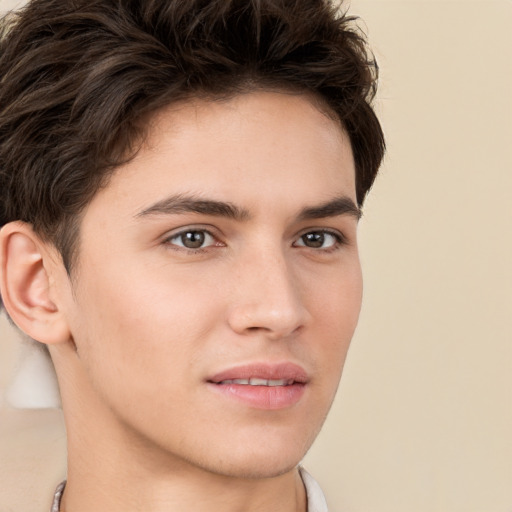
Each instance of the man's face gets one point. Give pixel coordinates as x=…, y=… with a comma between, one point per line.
x=218, y=285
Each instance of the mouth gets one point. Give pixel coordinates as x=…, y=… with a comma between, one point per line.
x=262, y=386
x=255, y=381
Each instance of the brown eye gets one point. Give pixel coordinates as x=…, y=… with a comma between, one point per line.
x=319, y=240
x=315, y=240
x=192, y=239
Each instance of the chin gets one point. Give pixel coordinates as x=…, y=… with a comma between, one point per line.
x=255, y=468
x=259, y=458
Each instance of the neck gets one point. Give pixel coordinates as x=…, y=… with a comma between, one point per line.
x=102, y=480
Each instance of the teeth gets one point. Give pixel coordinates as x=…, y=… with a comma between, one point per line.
x=259, y=382
x=277, y=383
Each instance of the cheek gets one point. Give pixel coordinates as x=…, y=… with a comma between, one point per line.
x=338, y=296
x=134, y=325
x=335, y=309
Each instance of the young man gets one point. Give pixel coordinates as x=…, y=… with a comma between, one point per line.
x=181, y=183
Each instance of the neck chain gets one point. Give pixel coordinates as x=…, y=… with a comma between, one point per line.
x=57, y=497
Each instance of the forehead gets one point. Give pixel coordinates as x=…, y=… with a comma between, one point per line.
x=251, y=147
x=250, y=111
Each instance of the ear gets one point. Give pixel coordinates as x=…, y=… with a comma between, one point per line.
x=26, y=265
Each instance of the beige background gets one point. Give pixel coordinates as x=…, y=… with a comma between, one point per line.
x=423, y=419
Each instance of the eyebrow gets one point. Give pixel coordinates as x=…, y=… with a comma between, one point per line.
x=176, y=204
x=191, y=204
x=342, y=205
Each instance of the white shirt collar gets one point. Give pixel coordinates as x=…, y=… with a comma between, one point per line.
x=316, y=498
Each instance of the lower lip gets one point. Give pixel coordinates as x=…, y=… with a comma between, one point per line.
x=262, y=397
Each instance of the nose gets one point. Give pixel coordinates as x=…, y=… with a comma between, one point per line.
x=268, y=299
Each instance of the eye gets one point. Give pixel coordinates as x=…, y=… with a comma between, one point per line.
x=319, y=240
x=192, y=239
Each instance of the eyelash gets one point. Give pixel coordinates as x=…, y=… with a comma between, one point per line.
x=339, y=238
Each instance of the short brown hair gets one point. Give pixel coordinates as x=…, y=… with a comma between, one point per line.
x=77, y=77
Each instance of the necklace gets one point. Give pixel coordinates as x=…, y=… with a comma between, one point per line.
x=57, y=496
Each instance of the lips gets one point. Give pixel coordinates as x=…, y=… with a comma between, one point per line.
x=288, y=372
x=261, y=386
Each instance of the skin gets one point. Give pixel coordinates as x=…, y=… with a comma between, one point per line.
x=146, y=321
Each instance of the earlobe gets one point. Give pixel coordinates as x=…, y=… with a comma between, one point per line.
x=25, y=285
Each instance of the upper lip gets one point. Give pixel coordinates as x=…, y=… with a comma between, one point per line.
x=281, y=371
